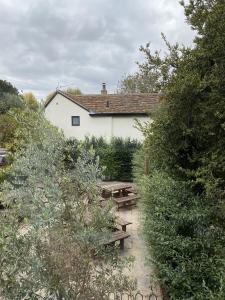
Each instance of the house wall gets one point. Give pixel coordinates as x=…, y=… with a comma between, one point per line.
x=60, y=110
x=125, y=127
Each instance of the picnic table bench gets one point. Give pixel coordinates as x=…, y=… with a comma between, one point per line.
x=115, y=237
x=123, y=223
x=126, y=201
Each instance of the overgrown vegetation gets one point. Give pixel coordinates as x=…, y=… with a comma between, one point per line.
x=115, y=156
x=183, y=190
x=52, y=231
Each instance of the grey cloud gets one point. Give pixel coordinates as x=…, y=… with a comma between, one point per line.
x=46, y=42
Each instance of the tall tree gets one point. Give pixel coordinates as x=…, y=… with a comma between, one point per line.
x=7, y=88
x=154, y=73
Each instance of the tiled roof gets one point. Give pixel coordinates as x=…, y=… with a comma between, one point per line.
x=113, y=103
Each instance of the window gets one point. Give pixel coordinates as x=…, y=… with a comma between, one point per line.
x=75, y=121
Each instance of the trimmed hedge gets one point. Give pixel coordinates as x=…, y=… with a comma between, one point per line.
x=115, y=156
x=185, y=246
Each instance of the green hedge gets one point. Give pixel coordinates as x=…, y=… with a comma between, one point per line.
x=115, y=156
x=184, y=245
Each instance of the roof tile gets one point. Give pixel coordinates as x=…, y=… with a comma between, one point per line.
x=114, y=103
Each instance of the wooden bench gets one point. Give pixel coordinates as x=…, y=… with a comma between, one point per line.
x=123, y=223
x=126, y=201
x=115, y=237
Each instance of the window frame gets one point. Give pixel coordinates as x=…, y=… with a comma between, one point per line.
x=76, y=118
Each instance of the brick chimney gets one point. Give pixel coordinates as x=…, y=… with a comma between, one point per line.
x=104, y=90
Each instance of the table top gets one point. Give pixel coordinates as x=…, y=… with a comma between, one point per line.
x=122, y=222
x=116, y=186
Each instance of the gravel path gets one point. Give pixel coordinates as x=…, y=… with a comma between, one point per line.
x=135, y=246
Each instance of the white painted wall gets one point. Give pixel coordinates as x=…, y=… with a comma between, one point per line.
x=60, y=110
x=124, y=127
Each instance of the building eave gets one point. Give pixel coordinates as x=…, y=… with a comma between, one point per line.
x=67, y=97
x=92, y=114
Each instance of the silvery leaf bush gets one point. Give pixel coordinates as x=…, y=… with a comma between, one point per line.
x=50, y=238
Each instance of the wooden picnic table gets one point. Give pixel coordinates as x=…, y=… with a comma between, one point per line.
x=116, y=189
x=123, y=223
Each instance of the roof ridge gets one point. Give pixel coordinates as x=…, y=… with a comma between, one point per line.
x=118, y=94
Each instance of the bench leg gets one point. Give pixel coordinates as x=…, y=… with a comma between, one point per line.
x=124, y=228
x=122, y=244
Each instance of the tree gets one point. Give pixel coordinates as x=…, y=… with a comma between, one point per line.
x=9, y=101
x=7, y=128
x=7, y=88
x=154, y=73
x=30, y=100
x=183, y=194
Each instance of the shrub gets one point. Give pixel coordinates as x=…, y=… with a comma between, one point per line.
x=54, y=224
x=186, y=246
x=115, y=156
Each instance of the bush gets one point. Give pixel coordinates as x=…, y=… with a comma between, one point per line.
x=185, y=246
x=54, y=226
x=116, y=156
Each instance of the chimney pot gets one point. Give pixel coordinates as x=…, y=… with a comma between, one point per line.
x=104, y=90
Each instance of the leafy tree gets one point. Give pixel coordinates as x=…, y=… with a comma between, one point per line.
x=7, y=88
x=155, y=72
x=9, y=101
x=7, y=128
x=184, y=190
x=30, y=101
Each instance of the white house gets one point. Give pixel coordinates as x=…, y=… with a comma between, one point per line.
x=106, y=115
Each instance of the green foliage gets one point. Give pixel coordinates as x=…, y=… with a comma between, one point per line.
x=9, y=101
x=185, y=245
x=155, y=72
x=50, y=236
x=183, y=191
x=30, y=101
x=9, y=97
x=115, y=156
x=11, y=104
x=7, y=88
x=7, y=128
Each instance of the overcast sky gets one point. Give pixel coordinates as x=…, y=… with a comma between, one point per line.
x=81, y=43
